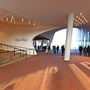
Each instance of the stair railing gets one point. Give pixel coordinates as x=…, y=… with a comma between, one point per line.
x=23, y=50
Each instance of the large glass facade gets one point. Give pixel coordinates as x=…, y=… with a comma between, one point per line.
x=78, y=38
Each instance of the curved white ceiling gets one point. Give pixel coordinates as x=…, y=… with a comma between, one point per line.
x=50, y=12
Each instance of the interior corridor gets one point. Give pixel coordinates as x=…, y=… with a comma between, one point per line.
x=47, y=72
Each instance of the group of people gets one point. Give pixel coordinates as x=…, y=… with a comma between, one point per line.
x=56, y=49
x=85, y=50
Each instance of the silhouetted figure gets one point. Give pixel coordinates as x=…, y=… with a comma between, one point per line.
x=49, y=49
x=54, y=49
x=44, y=48
x=88, y=50
x=63, y=49
x=85, y=51
x=57, y=49
x=38, y=47
x=80, y=50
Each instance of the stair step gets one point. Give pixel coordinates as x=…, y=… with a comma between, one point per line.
x=16, y=58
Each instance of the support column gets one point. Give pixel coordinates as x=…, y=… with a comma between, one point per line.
x=69, y=36
x=50, y=41
x=34, y=43
x=41, y=45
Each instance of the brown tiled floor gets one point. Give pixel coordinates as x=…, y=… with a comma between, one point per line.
x=47, y=72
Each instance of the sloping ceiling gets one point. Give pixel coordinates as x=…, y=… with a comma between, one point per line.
x=48, y=12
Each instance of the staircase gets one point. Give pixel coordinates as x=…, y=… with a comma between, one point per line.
x=17, y=54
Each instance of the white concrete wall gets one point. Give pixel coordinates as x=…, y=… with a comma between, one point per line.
x=12, y=34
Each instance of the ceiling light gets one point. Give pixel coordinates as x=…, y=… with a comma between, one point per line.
x=6, y=19
x=12, y=17
x=76, y=20
x=80, y=14
x=1, y=19
x=86, y=20
x=22, y=20
x=79, y=18
x=34, y=23
x=80, y=23
x=77, y=24
x=83, y=22
x=11, y=20
x=29, y=22
x=76, y=16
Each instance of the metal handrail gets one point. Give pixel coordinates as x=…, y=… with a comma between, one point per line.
x=17, y=48
x=13, y=46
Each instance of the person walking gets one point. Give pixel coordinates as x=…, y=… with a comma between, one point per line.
x=57, y=48
x=49, y=49
x=54, y=49
x=63, y=49
x=80, y=50
x=85, y=51
x=88, y=50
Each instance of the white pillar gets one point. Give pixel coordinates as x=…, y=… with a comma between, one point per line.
x=69, y=36
x=50, y=41
x=34, y=44
x=41, y=45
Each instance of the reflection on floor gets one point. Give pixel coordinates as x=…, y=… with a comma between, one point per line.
x=47, y=72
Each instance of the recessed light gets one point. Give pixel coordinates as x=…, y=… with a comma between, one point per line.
x=80, y=14
x=83, y=22
x=80, y=23
x=6, y=19
x=1, y=19
x=34, y=23
x=76, y=16
x=22, y=20
x=29, y=22
x=11, y=20
x=76, y=20
x=79, y=18
x=11, y=17
x=86, y=20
